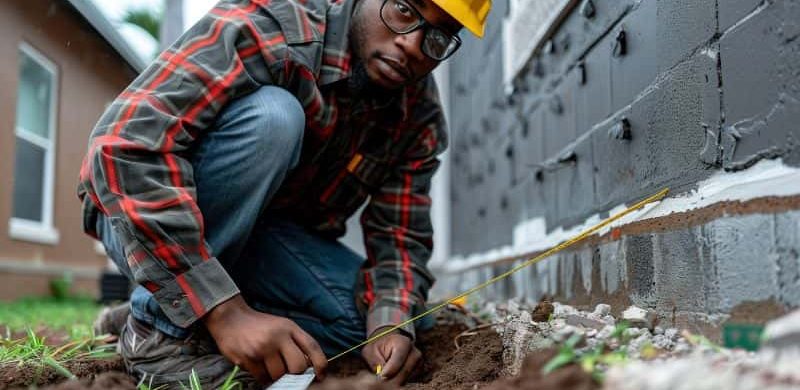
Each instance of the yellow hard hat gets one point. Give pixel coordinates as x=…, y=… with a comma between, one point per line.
x=470, y=13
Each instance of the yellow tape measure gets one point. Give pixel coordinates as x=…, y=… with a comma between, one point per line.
x=566, y=244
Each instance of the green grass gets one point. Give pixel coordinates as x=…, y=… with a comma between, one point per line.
x=74, y=315
x=71, y=317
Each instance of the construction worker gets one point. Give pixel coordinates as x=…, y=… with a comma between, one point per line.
x=220, y=179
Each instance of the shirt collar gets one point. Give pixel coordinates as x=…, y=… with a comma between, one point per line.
x=336, y=58
x=337, y=61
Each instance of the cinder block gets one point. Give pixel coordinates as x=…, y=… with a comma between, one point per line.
x=617, y=161
x=634, y=70
x=575, y=186
x=559, y=118
x=743, y=250
x=612, y=267
x=594, y=95
x=532, y=143
x=668, y=133
x=732, y=11
x=760, y=86
x=787, y=237
x=683, y=26
x=678, y=273
x=641, y=271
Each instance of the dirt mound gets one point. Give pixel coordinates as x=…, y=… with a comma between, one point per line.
x=478, y=361
x=93, y=372
x=105, y=381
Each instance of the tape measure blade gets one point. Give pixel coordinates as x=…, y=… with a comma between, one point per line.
x=294, y=381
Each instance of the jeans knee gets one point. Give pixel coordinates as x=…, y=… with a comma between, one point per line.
x=276, y=117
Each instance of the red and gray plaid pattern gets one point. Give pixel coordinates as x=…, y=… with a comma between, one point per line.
x=376, y=149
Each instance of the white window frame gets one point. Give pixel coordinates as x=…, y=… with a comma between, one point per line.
x=43, y=232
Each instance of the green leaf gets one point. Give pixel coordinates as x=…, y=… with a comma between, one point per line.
x=562, y=359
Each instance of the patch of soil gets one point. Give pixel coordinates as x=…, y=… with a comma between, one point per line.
x=570, y=377
x=105, y=381
x=91, y=372
x=476, y=363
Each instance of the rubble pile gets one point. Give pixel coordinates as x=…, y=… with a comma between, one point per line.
x=634, y=353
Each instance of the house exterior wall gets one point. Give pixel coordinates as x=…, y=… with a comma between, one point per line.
x=612, y=106
x=90, y=75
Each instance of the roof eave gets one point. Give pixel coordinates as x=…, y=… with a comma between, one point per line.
x=100, y=23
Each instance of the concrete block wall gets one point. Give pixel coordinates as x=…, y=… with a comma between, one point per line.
x=614, y=106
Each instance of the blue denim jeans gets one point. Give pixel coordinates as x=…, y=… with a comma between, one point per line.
x=280, y=267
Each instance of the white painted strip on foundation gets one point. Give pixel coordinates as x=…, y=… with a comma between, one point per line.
x=764, y=179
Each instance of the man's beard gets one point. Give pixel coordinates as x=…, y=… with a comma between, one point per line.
x=360, y=82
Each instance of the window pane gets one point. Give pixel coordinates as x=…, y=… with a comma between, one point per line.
x=33, y=97
x=28, y=181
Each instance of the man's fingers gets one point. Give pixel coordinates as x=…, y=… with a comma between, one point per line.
x=258, y=371
x=275, y=366
x=294, y=358
x=411, y=362
x=398, y=350
x=372, y=357
x=311, y=348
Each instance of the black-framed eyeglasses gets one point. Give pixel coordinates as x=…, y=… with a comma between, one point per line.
x=402, y=18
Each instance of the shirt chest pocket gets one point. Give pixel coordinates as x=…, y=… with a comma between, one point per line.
x=363, y=175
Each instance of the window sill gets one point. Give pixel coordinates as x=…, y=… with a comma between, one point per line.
x=20, y=229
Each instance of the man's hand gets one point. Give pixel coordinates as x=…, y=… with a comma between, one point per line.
x=266, y=346
x=396, y=353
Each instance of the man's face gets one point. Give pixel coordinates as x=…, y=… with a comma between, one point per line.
x=394, y=60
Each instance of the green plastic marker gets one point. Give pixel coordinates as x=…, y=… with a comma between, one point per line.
x=744, y=336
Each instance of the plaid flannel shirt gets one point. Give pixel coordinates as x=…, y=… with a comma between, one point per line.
x=380, y=149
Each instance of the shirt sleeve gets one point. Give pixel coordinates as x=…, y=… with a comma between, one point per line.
x=397, y=226
x=137, y=172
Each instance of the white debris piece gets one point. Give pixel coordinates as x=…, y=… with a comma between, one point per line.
x=640, y=318
x=783, y=334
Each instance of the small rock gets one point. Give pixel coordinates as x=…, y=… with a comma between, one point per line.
x=561, y=311
x=671, y=333
x=658, y=330
x=632, y=332
x=784, y=332
x=543, y=311
x=610, y=320
x=586, y=322
x=662, y=342
x=640, y=318
x=606, y=332
x=562, y=334
x=602, y=310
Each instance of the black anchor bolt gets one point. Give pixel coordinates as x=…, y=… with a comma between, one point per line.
x=556, y=105
x=587, y=9
x=538, y=68
x=621, y=130
x=582, y=72
x=620, y=44
x=549, y=47
x=569, y=157
x=539, y=175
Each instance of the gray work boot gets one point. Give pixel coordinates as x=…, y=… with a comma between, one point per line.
x=160, y=361
x=112, y=319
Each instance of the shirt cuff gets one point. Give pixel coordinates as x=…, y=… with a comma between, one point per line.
x=383, y=315
x=195, y=292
